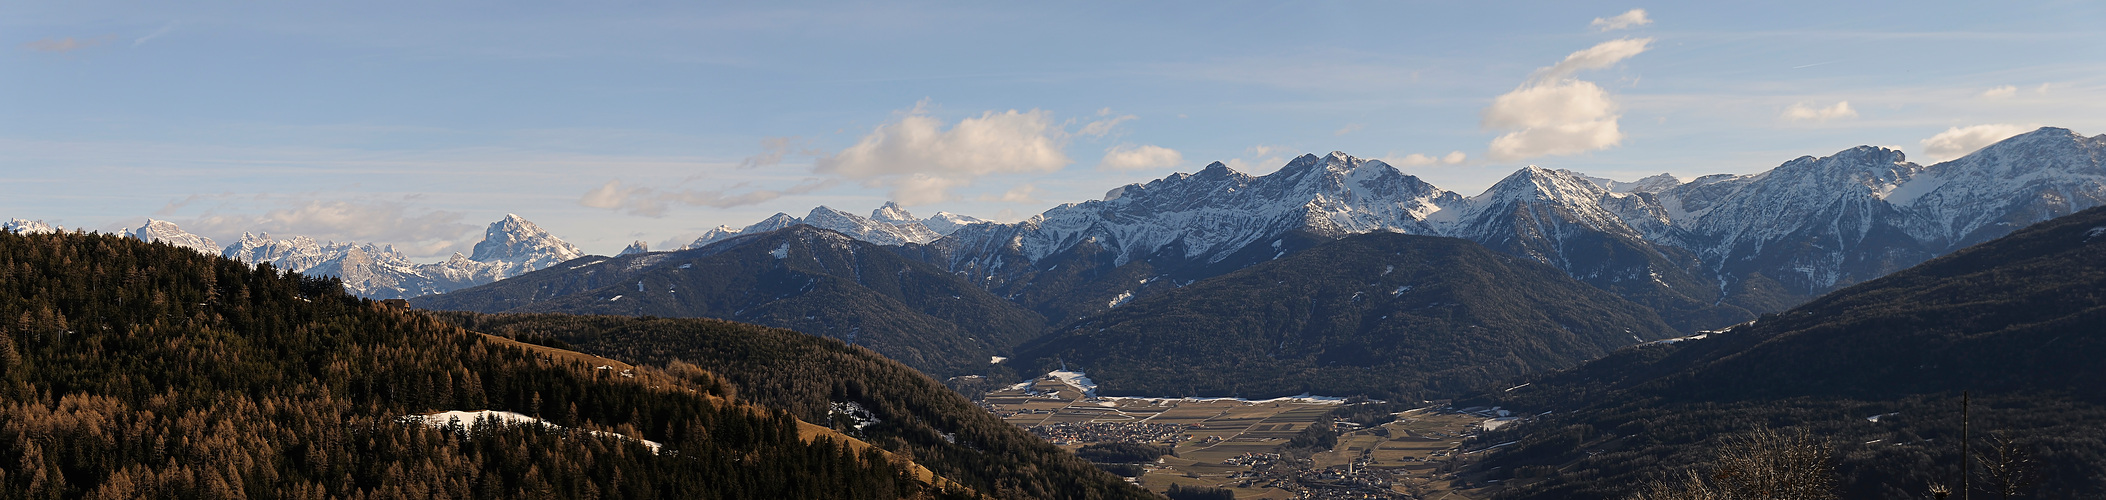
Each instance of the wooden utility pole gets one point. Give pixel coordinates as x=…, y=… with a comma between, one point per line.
x=1966, y=450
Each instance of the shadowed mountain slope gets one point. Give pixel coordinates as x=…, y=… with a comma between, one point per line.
x=1383, y=314
x=2015, y=320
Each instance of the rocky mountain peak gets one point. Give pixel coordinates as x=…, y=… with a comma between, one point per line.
x=520, y=243
x=1651, y=184
x=1873, y=169
x=167, y=232
x=946, y=223
x=636, y=247
x=892, y=213
x=1533, y=183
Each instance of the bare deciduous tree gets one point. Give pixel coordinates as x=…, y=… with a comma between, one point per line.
x=1763, y=464
x=2007, y=466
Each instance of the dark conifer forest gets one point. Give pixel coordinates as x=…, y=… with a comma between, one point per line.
x=136, y=370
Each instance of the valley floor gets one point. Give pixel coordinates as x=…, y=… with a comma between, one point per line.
x=1241, y=445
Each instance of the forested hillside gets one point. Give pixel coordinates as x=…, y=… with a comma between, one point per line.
x=814, y=378
x=1877, y=369
x=136, y=370
x=1381, y=314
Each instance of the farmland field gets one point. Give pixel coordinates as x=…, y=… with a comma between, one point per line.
x=1239, y=444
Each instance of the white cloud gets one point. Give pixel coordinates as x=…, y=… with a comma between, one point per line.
x=1632, y=19
x=1562, y=118
x=156, y=34
x=1419, y=160
x=1958, y=141
x=1349, y=128
x=650, y=202
x=1139, y=157
x=1553, y=114
x=1546, y=105
x=417, y=234
x=921, y=160
x=2000, y=92
x=1599, y=56
x=1804, y=112
x=2043, y=90
x=1025, y=193
x=1556, y=140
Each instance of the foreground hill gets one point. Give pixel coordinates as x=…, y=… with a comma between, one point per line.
x=1381, y=314
x=822, y=380
x=137, y=370
x=801, y=277
x=1876, y=368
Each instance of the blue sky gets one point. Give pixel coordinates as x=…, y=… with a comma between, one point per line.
x=416, y=124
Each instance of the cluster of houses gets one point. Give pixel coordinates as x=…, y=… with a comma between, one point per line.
x=1067, y=433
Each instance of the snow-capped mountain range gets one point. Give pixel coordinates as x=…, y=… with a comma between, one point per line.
x=510, y=247
x=1762, y=241
x=1719, y=247
x=26, y=226
x=888, y=225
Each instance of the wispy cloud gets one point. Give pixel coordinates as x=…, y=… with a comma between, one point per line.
x=775, y=149
x=1805, y=112
x=67, y=44
x=1258, y=159
x=652, y=202
x=1420, y=160
x=165, y=29
x=1631, y=19
x=1105, y=123
x=1023, y=193
x=1600, y=56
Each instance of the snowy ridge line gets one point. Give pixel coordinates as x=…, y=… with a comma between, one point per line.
x=888, y=225
x=510, y=247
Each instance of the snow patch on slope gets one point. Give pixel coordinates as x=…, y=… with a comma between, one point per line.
x=468, y=419
x=1077, y=379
